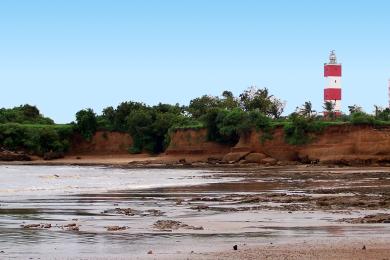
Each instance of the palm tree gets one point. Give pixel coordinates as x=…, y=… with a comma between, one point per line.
x=307, y=109
x=329, y=109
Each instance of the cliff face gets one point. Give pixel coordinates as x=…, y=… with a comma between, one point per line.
x=336, y=144
x=102, y=143
x=194, y=141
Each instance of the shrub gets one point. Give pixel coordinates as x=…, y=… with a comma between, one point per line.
x=297, y=132
x=35, y=139
x=361, y=118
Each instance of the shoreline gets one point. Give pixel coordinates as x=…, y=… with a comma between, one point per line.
x=185, y=161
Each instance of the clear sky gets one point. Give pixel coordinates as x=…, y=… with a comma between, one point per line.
x=67, y=55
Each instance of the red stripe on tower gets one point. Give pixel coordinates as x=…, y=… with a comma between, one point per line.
x=332, y=70
x=332, y=94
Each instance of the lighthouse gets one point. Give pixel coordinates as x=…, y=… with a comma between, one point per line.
x=332, y=91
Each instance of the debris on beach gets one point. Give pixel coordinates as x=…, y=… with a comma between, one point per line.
x=169, y=225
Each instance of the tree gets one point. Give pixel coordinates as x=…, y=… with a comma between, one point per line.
x=382, y=114
x=254, y=98
x=260, y=99
x=228, y=101
x=30, y=111
x=277, y=107
x=306, y=110
x=329, y=109
x=200, y=106
x=355, y=109
x=86, y=123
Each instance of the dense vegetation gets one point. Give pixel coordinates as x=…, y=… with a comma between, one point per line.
x=226, y=117
x=36, y=139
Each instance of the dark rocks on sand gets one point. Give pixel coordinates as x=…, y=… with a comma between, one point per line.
x=29, y=226
x=150, y=252
x=115, y=228
x=269, y=161
x=235, y=247
x=169, y=225
x=234, y=157
x=13, y=156
x=127, y=211
x=255, y=157
x=72, y=227
x=369, y=219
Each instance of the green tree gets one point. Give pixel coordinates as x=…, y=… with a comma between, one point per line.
x=354, y=109
x=200, y=106
x=307, y=109
x=329, y=109
x=86, y=123
x=260, y=99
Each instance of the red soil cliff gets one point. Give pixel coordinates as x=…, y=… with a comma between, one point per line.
x=336, y=144
x=194, y=141
x=102, y=143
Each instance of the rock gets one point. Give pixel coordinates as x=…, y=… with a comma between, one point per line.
x=127, y=211
x=12, y=156
x=255, y=157
x=71, y=227
x=32, y=226
x=364, y=247
x=154, y=212
x=234, y=157
x=183, y=160
x=200, y=207
x=115, y=228
x=235, y=247
x=169, y=225
x=213, y=160
x=36, y=226
x=150, y=252
x=269, y=161
x=46, y=225
x=52, y=155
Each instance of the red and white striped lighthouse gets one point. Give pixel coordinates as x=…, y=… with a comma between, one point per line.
x=332, y=91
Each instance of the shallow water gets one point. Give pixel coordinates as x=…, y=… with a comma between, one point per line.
x=88, y=195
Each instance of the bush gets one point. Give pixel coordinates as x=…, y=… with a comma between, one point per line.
x=35, y=139
x=297, y=132
x=361, y=118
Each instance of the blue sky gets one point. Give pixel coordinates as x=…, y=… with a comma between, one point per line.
x=64, y=56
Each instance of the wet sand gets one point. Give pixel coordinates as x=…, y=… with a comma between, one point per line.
x=293, y=212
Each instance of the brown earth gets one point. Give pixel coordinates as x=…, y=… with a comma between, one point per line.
x=343, y=144
x=101, y=143
x=194, y=141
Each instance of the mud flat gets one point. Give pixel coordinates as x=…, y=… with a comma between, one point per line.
x=293, y=212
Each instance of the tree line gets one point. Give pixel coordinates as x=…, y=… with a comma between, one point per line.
x=226, y=118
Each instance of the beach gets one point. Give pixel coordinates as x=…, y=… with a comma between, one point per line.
x=293, y=212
